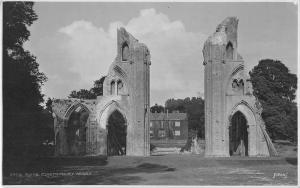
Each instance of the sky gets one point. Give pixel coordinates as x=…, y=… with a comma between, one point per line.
x=75, y=43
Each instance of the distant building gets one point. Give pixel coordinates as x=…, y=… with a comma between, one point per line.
x=168, y=126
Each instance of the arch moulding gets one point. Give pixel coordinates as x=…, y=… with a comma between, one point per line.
x=107, y=110
x=71, y=109
x=245, y=109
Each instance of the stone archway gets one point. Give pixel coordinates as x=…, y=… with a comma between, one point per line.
x=75, y=129
x=238, y=135
x=116, y=134
x=108, y=116
x=242, y=130
x=126, y=89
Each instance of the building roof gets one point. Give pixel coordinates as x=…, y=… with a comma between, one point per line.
x=168, y=116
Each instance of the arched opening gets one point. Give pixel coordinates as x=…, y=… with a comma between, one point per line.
x=125, y=52
x=229, y=51
x=235, y=84
x=238, y=135
x=120, y=87
x=76, y=131
x=112, y=88
x=238, y=85
x=116, y=134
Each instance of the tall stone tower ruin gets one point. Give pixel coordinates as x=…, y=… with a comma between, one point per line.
x=128, y=85
x=87, y=127
x=233, y=123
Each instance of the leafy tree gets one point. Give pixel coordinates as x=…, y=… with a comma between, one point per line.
x=96, y=90
x=98, y=87
x=275, y=87
x=22, y=81
x=157, y=109
x=82, y=94
x=49, y=105
x=195, y=111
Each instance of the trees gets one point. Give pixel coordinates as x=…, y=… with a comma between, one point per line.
x=82, y=94
x=195, y=111
x=49, y=105
x=22, y=81
x=275, y=87
x=96, y=90
x=157, y=109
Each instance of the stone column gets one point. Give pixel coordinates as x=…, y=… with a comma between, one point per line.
x=252, y=140
x=116, y=88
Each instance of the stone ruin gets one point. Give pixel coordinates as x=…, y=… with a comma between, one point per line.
x=233, y=123
x=82, y=127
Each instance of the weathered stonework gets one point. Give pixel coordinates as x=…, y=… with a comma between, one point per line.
x=125, y=89
x=233, y=122
x=227, y=91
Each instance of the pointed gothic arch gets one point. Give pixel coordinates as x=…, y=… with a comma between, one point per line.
x=116, y=127
x=72, y=108
x=229, y=51
x=104, y=117
x=125, y=52
x=230, y=80
x=76, y=119
x=239, y=135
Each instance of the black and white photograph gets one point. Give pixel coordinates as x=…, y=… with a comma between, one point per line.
x=152, y=93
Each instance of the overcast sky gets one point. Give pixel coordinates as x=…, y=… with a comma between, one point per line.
x=76, y=42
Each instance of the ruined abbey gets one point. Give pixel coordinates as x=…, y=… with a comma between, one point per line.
x=82, y=127
x=117, y=123
x=233, y=123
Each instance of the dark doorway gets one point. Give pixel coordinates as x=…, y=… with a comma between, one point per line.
x=76, y=131
x=116, y=136
x=238, y=135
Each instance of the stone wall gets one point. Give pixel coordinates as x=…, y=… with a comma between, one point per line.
x=228, y=90
x=125, y=89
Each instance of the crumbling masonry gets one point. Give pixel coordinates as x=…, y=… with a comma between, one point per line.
x=81, y=126
x=233, y=123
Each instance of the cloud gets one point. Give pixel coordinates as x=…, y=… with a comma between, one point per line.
x=91, y=49
x=176, y=54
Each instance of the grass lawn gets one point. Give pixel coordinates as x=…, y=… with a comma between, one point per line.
x=180, y=169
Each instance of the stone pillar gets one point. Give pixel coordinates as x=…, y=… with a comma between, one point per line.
x=101, y=141
x=116, y=88
x=147, y=107
x=207, y=92
x=215, y=125
x=216, y=120
x=252, y=140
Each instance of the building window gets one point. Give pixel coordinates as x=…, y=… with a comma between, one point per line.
x=125, y=52
x=151, y=134
x=177, y=133
x=177, y=123
x=161, y=124
x=229, y=51
x=112, y=88
x=237, y=85
x=161, y=133
x=119, y=87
